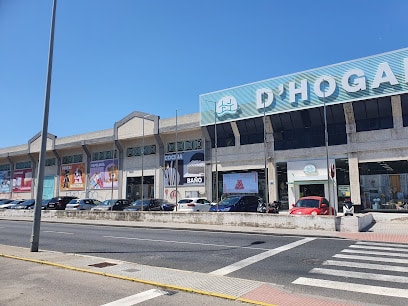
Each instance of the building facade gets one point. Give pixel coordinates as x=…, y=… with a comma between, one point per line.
x=339, y=131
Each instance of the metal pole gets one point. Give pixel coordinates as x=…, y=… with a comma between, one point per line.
x=143, y=135
x=326, y=142
x=176, y=160
x=216, y=153
x=35, y=237
x=264, y=95
x=111, y=175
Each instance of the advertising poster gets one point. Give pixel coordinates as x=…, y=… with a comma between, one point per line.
x=72, y=177
x=190, y=168
x=104, y=174
x=5, y=181
x=241, y=182
x=22, y=180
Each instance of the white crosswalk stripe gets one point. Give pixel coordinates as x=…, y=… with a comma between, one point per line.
x=364, y=267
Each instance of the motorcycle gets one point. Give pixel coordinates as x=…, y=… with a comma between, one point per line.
x=348, y=208
x=272, y=208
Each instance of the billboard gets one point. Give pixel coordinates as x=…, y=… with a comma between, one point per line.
x=22, y=180
x=72, y=177
x=190, y=168
x=5, y=181
x=103, y=174
x=365, y=78
x=240, y=182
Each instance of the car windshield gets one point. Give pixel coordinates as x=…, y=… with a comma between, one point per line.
x=139, y=203
x=229, y=201
x=307, y=203
x=107, y=202
x=74, y=201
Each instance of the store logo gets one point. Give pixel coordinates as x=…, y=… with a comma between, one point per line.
x=310, y=169
x=227, y=105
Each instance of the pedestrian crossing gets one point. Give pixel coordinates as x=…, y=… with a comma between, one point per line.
x=364, y=267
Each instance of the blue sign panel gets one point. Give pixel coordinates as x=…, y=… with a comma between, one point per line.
x=370, y=77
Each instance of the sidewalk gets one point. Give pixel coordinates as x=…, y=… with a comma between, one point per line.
x=253, y=292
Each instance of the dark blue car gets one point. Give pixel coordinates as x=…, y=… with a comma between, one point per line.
x=238, y=203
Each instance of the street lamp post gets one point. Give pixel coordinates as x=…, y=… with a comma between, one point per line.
x=216, y=153
x=176, y=172
x=326, y=143
x=142, y=152
x=216, y=191
x=35, y=236
x=264, y=98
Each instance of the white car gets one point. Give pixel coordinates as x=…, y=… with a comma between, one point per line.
x=193, y=204
x=82, y=204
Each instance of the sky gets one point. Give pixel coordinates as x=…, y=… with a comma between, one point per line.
x=114, y=57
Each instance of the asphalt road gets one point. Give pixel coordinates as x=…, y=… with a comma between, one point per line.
x=300, y=264
x=26, y=283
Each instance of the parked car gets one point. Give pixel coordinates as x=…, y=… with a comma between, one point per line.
x=150, y=205
x=59, y=203
x=193, y=204
x=11, y=204
x=238, y=203
x=312, y=205
x=44, y=204
x=82, y=204
x=115, y=204
x=5, y=201
x=27, y=204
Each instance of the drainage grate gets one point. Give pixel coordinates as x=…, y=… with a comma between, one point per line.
x=103, y=264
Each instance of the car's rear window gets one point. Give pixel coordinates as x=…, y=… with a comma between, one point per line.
x=183, y=201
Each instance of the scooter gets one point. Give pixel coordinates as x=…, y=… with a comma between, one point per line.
x=273, y=208
x=348, y=208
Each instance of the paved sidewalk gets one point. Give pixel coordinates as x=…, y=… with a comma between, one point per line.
x=253, y=292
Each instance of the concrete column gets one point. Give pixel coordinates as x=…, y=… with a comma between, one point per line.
x=273, y=176
x=354, y=178
x=236, y=133
x=396, y=111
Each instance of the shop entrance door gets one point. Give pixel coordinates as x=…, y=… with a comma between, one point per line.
x=311, y=190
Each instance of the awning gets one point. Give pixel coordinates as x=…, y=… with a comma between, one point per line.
x=311, y=182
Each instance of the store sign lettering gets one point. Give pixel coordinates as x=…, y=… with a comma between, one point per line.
x=195, y=180
x=366, y=78
x=352, y=81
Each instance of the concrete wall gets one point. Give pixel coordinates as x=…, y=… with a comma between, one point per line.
x=326, y=223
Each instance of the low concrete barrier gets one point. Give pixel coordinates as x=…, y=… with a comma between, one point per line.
x=282, y=221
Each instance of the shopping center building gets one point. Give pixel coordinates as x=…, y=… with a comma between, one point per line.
x=339, y=131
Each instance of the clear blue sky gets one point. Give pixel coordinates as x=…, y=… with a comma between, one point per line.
x=113, y=57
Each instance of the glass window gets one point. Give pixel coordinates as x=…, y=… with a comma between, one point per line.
x=306, y=128
x=251, y=130
x=404, y=105
x=373, y=114
x=225, y=135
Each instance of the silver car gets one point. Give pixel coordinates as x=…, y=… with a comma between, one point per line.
x=82, y=204
x=11, y=204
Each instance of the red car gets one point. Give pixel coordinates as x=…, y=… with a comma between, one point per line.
x=312, y=205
